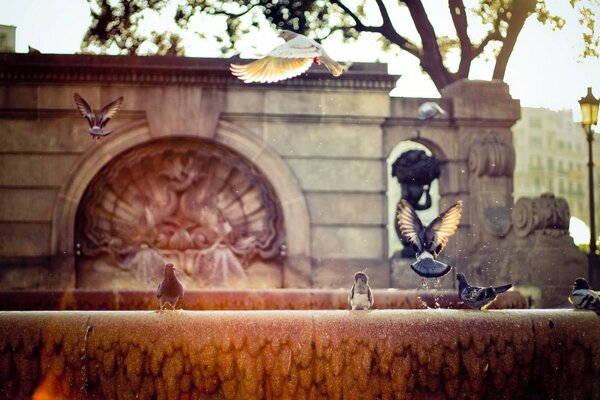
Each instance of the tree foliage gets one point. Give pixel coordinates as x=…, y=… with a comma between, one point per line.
x=115, y=25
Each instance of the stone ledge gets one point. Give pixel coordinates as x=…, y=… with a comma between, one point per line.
x=383, y=354
x=228, y=299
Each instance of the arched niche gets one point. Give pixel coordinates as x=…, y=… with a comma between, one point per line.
x=394, y=190
x=286, y=192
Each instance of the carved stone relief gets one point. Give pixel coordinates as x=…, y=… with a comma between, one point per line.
x=490, y=162
x=546, y=213
x=194, y=203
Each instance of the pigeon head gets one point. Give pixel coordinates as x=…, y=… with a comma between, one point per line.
x=462, y=281
x=362, y=277
x=169, y=269
x=580, y=283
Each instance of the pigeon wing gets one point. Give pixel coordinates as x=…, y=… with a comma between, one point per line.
x=444, y=226
x=410, y=224
x=109, y=111
x=84, y=109
x=271, y=69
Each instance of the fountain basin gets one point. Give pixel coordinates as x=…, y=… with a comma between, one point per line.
x=440, y=353
x=228, y=299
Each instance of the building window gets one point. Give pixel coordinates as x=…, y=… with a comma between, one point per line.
x=535, y=122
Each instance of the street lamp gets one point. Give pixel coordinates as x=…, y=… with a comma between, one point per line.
x=589, y=116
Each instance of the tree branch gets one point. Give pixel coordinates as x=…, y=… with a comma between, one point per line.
x=520, y=12
x=386, y=29
x=459, y=18
x=431, y=59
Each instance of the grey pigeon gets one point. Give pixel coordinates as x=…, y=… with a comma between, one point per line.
x=583, y=297
x=478, y=297
x=429, y=110
x=97, y=121
x=170, y=289
x=428, y=241
x=292, y=58
x=361, y=296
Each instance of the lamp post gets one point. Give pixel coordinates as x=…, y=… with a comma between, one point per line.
x=589, y=116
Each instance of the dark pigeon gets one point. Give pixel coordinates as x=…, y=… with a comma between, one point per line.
x=478, y=297
x=170, y=289
x=583, y=297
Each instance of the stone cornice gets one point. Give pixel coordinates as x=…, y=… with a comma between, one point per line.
x=157, y=70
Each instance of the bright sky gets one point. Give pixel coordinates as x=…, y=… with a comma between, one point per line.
x=544, y=71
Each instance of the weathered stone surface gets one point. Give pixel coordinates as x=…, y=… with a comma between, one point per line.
x=347, y=242
x=387, y=354
x=40, y=204
x=345, y=208
x=340, y=174
x=29, y=239
x=239, y=299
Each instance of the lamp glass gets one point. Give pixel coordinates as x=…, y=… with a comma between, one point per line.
x=589, y=109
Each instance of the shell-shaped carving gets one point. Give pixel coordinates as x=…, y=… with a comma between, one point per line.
x=185, y=198
x=523, y=217
x=547, y=212
x=492, y=157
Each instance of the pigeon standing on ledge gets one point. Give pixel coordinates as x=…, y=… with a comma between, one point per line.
x=97, y=121
x=583, y=297
x=170, y=289
x=478, y=297
x=361, y=296
x=428, y=241
x=292, y=58
x=429, y=110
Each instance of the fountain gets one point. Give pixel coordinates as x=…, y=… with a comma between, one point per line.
x=253, y=191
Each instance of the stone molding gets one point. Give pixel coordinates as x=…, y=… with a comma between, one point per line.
x=546, y=213
x=163, y=70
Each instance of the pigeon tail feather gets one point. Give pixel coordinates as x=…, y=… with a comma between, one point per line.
x=502, y=289
x=430, y=268
x=333, y=67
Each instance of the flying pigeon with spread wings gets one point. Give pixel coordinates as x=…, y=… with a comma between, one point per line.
x=428, y=241
x=478, y=297
x=97, y=120
x=292, y=58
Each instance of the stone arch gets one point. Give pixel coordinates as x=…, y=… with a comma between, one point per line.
x=393, y=191
x=287, y=190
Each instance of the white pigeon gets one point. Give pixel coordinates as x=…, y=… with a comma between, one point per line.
x=292, y=58
x=429, y=110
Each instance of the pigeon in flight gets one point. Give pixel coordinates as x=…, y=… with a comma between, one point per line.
x=361, y=296
x=292, y=58
x=428, y=241
x=478, y=297
x=170, y=289
x=429, y=110
x=97, y=121
x=583, y=297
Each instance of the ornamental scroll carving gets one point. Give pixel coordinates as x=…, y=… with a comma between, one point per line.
x=492, y=157
x=547, y=213
x=191, y=202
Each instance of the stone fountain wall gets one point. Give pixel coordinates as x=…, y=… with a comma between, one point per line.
x=253, y=186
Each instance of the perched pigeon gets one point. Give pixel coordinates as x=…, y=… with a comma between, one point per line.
x=361, y=296
x=33, y=50
x=478, y=297
x=583, y=297
x=429, y=110
x=170, y=289
x=97, y=121
x=292, y=58
x=428, y=241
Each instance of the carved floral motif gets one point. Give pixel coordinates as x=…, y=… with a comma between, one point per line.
x=193, y=202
